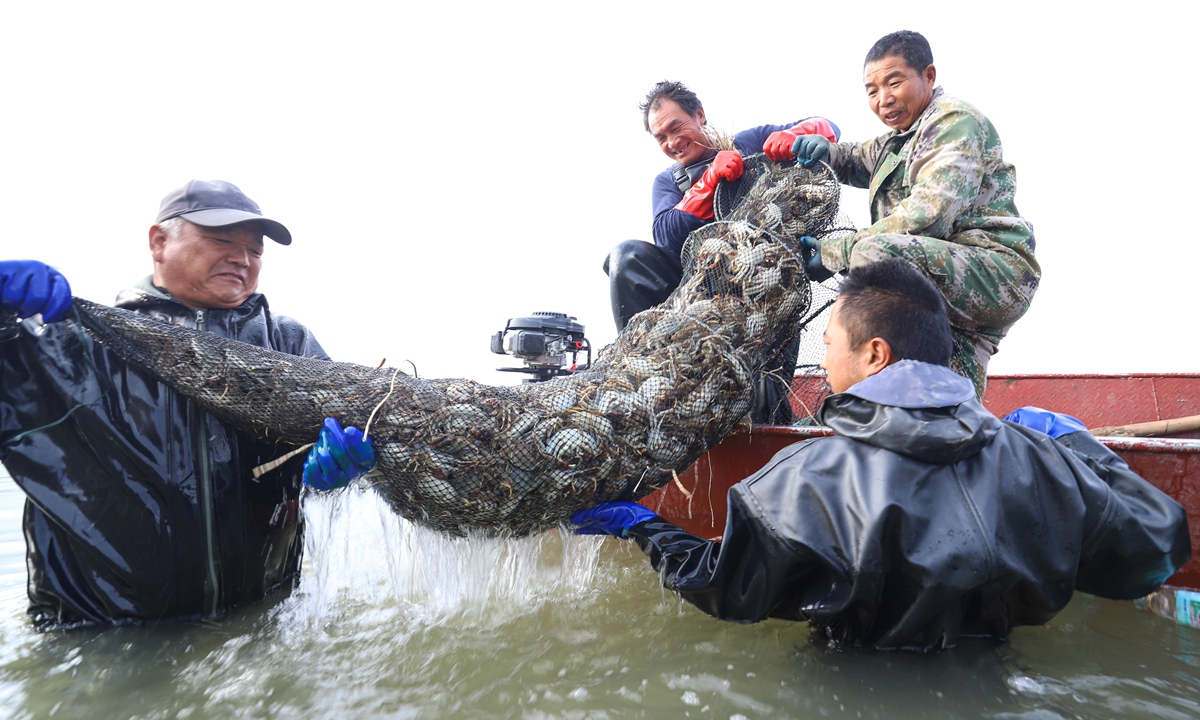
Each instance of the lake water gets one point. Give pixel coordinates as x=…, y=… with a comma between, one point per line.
x=392, y=621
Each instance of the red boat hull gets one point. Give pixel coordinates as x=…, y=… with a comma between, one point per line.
x=696, y=501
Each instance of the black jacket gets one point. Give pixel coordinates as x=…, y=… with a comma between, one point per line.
x=140, y=506
x=925, y=518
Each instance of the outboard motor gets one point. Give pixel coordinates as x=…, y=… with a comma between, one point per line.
x=542, y=342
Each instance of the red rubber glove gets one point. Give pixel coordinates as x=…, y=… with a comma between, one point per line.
x=779, y=143
x=698, y=200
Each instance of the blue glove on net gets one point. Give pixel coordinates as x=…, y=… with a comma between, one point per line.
x=810, y=149
x=1053, y=424
x=339, y=457
x=29, y=287
x=612, y=518
x=810, y=247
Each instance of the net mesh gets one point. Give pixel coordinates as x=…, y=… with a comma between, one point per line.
x=461, y=456
x=810, y=389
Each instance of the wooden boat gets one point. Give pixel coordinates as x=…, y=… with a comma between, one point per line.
x=696, y=500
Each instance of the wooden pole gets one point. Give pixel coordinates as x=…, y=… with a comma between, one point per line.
x=1158, y=428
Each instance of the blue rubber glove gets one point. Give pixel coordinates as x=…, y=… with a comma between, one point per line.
x=29, y=287
x=811, y=248
x=1053, y=424
x=810, y=149
x=339, y=457
x=612, y=518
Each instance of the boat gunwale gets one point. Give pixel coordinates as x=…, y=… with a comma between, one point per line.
x=1126, y=444
x=1083, y=376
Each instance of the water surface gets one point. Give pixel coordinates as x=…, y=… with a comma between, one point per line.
x=392, y=621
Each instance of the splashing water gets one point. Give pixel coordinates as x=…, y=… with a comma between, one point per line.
x=360, y=553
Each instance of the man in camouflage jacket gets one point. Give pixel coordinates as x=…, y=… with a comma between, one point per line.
x=941, y=197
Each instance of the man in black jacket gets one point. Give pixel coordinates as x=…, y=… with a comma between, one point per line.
x=140, y=505
x=925, y=518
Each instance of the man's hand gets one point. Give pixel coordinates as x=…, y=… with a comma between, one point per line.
x=339, y=457
x=781, y=144
x=698, y=201
x=810, y=149
x=29, y=287
x=810, y=247
x=727, y=165
x=613, y=518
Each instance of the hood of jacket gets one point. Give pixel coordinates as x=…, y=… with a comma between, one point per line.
x=923, y=411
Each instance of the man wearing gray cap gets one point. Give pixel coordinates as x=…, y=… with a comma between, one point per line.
x=140, y=506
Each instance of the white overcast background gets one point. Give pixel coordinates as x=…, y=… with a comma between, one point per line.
x=445, y=166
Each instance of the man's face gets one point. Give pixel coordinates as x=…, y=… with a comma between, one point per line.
x=844, y=366
x=896, y=93
x=680, y=136
x=208, y=267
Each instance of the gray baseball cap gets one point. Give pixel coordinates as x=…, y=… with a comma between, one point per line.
x=216, y=203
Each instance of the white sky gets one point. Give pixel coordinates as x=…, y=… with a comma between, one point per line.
x=445, y=167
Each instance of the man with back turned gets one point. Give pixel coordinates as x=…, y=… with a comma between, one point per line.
x=924, y=518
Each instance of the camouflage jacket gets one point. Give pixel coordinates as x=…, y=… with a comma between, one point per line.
x=944, y=177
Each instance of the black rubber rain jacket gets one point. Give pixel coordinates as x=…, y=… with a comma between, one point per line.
x=139, y=505
x=923, y=519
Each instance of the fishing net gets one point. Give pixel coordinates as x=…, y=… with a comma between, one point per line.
x=810, y=389
x=458, y=456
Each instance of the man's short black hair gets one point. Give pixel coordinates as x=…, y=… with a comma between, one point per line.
x=669, y=90
x=891, y=299
x=912, y=46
